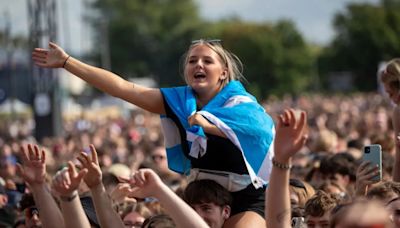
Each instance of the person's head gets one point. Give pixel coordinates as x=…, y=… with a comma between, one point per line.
x=330, y=186
x=30, y=211
x=318, y=209
x=135, y=214
x=360, y=214
x=210, y=200
x=8, y=166
x=340, y=168
x=384, y=191
x=390, y=78
x=159, y=158
x=159, y=221
x=208, y=67
x=300, y=192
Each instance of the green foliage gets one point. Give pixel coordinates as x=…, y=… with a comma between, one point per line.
x=276, y=59
x=148, y=38
x=366, y=34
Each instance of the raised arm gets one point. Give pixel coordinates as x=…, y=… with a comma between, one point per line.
x=149, y=99
x=65, y=184
x=146, y=183
x=290, y=138
x=106, y=215
x=33, y=170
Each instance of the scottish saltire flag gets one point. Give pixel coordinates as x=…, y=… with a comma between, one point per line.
x=236, y=113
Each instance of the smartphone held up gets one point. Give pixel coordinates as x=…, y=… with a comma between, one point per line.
x=373, y=154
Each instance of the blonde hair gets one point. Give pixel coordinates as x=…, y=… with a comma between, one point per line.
x=229, y=60
x=391, y=74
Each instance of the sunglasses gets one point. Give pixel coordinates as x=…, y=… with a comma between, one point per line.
x=298, y=184
x=209, y=41
x=31, y=211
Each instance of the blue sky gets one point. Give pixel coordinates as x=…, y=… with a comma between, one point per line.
x=312, y=17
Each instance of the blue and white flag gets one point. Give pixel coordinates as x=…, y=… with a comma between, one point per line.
x=236, y=113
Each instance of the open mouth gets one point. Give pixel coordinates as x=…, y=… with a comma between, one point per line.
x=199, y=75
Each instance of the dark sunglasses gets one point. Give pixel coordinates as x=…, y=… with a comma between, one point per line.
x=298, y=184
x=31, y=211
x=210, y=41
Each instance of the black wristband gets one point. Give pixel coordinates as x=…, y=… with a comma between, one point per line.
x=69, y=198
x=65, y=62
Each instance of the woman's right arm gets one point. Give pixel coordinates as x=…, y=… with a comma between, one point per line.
x=149, y=99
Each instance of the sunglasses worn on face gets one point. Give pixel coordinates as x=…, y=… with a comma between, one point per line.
x=210, y=41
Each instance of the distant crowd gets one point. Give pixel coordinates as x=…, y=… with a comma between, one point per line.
x=325, y=172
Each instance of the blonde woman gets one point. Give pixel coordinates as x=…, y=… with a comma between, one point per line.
x=213, y=128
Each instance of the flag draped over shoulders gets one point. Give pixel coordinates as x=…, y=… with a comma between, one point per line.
x=236, y=113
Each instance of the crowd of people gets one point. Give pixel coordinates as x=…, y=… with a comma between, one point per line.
x=233, y=164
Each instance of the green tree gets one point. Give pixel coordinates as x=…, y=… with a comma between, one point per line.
x=148, y=37
x=366, y=34
x=276, y=58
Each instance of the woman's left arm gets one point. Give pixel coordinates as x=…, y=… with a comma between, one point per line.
x=197, y=119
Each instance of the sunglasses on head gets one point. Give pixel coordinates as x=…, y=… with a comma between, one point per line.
x=298, y=184
x=210, y=41
x=31, y=211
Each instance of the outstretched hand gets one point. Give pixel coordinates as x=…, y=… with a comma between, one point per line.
x=94, y=175
x=54, y=57
x=290, y=135
x=67, y=181
x=33, y=167
x=122, y=193
x=144, y=183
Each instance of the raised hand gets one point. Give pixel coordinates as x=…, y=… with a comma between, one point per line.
x=33, y=168
x=67, y=181
x=365, y=177
x=122, y=193
x=290, y=135
x=94, y=175
x=144, y=183
x=54, y=57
